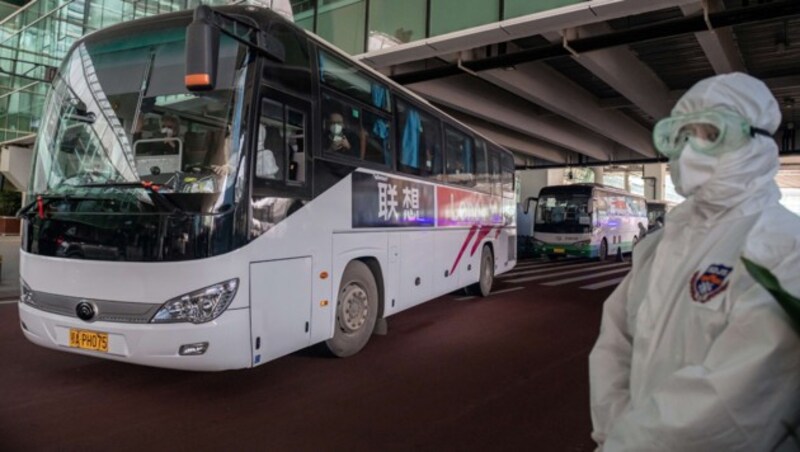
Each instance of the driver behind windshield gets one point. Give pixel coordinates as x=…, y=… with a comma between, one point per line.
x=165, y=141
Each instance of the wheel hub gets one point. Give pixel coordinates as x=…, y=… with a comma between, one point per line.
x=353, y=308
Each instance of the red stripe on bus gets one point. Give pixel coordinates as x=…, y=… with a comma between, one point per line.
x=471, y=233
x=485, y=230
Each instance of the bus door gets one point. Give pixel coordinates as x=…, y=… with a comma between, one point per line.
x=281, y=290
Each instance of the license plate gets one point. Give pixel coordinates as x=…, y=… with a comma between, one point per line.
x=559, y=250
x=88, y=340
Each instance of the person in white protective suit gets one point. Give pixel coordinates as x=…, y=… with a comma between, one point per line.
x=693, y=354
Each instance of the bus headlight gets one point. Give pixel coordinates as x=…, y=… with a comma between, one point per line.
x=582, y=243
x=25, y=293
x=200, y=306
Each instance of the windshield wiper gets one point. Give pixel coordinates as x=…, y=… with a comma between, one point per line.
x=150, y=187
x=41, y=201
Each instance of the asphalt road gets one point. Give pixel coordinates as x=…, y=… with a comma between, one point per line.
x=507, y=372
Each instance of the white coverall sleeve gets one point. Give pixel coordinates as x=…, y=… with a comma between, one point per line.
x=737, y=399
x=610, y=364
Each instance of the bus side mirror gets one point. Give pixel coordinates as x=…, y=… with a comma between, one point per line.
x=528, y=202
x=202, y=52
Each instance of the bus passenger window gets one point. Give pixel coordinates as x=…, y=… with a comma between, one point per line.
x=342, y=133
x=459, y=162
x=418, y=140
x=376, y=141
x=295, y=133
x=482, y=173
x=352, y=81
x=270, y=141
x=507, y=162
x=495, y=172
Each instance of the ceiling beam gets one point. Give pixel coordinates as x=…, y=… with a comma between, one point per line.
x=719, y=45
x=542, y=85
x=475, y=98
x=622, y=70
x=778, y=85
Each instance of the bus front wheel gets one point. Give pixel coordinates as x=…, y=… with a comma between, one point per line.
x=484, y=285
x=356, y=310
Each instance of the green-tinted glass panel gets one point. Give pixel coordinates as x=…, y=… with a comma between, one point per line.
x=393, y=22
x=303, y=12
x=516, y=8
x=6, y=10
x=342, y=23
x=454, y=15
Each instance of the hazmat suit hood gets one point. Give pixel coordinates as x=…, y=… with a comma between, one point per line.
x=741, y=178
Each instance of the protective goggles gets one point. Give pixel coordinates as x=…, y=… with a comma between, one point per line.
x=710, y=132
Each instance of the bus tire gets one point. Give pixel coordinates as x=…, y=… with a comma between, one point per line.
x=356, y=311
x=486, y=277
x=603, y=252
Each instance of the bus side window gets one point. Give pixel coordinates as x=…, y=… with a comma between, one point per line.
x=294, y=72
x=342, y=127
x=418, y=139
x=296, y=139
x=507, y=164
x=270, y=143
x=459, y=157
x=495, y=171
x=482, y=173
x=352, y=81
x=376, y=138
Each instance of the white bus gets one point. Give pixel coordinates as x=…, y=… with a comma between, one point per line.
x=588, y=220
x=287, y=196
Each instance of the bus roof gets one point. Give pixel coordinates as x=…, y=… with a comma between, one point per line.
x=584, y=189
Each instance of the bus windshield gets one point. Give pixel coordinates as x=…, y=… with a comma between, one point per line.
x=119, y=119
x=563, y=213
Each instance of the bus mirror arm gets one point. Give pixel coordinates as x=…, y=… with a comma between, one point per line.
x=202, y=45
x=528, y=202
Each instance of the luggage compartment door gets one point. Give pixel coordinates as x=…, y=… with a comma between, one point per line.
x=280, y=304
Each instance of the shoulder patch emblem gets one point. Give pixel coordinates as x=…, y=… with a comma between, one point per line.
x=710, y=283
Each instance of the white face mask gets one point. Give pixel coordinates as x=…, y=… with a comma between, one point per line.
x=336, y=129
x=168, y=131
x=691, y=170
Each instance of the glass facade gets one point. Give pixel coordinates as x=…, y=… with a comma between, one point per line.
x=359, y=26
x=35, y=39
x=453, y=15
x=393, y=22
x=343, y=22
x=516, y=8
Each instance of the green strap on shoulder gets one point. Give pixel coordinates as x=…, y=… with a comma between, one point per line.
x=768, y=281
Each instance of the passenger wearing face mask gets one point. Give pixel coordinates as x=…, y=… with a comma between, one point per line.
x=693, y=353
x=340, y=139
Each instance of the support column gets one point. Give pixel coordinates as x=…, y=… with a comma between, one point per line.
x=533, y=180
x=599, y=172
x=656, y=174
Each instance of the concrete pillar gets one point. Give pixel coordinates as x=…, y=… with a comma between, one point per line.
x=654, y=173
x=628, y=180
x=599, y=171
x=15, y=164
x=533, y=180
